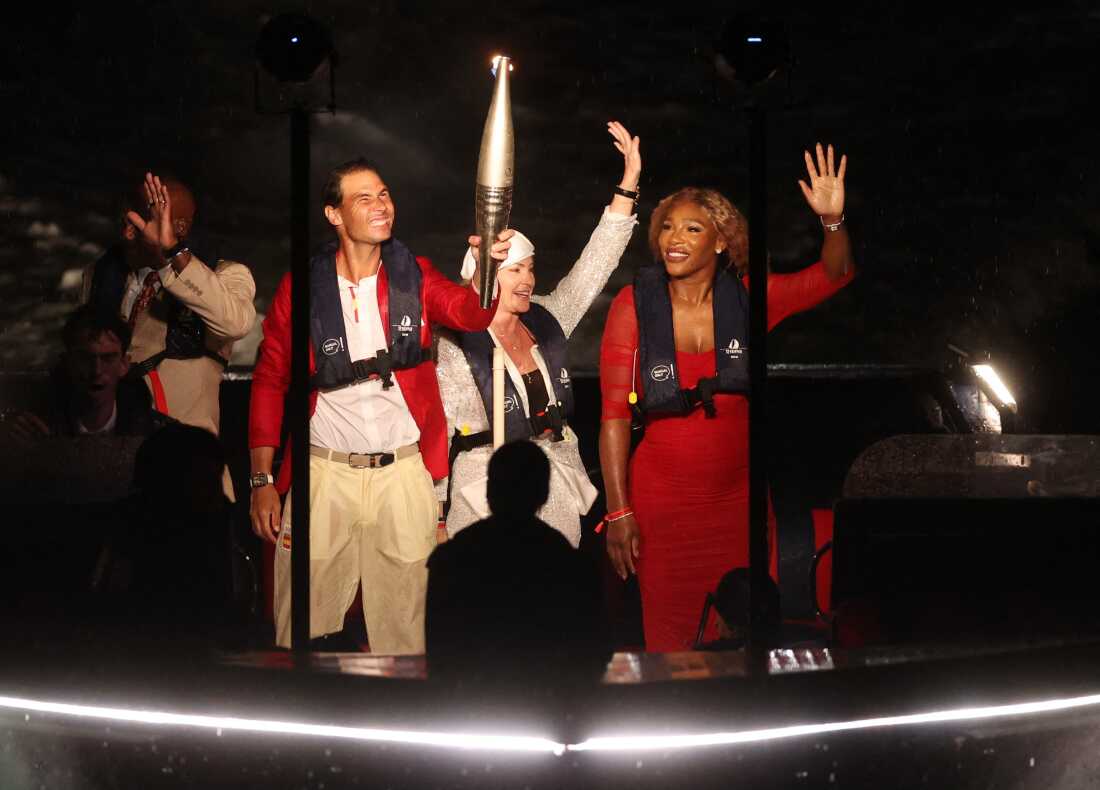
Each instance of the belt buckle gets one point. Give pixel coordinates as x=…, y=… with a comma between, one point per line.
x=372, y=461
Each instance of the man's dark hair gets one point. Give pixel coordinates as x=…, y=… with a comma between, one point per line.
x=519, y=480
x=95, y=321
x=333, y=194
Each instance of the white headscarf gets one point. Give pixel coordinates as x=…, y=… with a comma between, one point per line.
x=521, y=249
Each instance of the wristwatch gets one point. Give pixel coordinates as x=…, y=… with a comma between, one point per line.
x=261, y=479
x=178, y=248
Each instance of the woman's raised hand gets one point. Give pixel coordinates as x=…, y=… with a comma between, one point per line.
x=825, y=192
x=631, y=149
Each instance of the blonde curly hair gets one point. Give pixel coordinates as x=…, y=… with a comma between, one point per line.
x=730, y=223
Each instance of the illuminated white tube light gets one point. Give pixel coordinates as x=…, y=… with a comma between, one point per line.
x=987, y=374
x=519, y=743
x=474, y=741
x=664, y=742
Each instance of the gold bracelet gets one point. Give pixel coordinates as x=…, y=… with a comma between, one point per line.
x=832, y=227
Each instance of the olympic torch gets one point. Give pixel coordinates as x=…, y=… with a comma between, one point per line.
x=495, y=167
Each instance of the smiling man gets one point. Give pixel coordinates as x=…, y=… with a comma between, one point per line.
x=90, y=394
x=377, y=431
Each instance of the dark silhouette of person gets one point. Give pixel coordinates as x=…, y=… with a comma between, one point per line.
x=731, y=600
x=509, y=600
x=167, y=564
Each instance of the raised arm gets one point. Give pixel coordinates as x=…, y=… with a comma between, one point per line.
x=792, y=293
x=456, y=306
x=825, y=194
x=574, y=294
x=223, y=298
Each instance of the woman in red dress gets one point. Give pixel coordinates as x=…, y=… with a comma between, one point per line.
x=678, y=508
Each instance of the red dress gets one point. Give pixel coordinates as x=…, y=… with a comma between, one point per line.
x=688, y=480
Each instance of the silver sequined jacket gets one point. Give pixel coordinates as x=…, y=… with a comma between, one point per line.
x=464, y=408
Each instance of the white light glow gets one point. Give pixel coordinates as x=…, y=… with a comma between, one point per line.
x=470, y=741
x=519, y=743
x=496, y=65
x=663, y=742
x=987, y=374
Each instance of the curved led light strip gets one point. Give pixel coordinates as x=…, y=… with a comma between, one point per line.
x=519, y=743
x=651, y=742
x=510, y=743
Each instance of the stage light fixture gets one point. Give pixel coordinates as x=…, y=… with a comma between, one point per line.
x=291, y=47
x=988, y=376
x=751, y=49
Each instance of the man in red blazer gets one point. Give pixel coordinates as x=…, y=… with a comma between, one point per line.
x=377, y=431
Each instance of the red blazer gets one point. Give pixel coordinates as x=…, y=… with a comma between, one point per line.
x=442, y=302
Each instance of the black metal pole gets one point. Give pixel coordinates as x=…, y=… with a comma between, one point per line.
x=758, y=373
x=298, y=397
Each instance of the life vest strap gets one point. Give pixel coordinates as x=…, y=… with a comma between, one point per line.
x=702, y=392
x=381, y=366
x=147, y=366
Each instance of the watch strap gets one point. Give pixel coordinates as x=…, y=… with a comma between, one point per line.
x=176, y=249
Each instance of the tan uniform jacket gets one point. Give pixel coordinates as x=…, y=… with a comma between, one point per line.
x=223, y=298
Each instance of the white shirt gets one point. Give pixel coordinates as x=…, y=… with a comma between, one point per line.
x=108, y=427
x=363, y=418
x=135, y=284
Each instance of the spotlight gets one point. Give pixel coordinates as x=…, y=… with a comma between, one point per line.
x=292, y=47
x=1002, y=396
x=751, y=49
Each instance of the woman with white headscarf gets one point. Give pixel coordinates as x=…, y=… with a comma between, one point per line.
x=532, y=330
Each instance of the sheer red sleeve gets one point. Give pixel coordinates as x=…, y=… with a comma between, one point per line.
x=617, y=350
x=798, y=291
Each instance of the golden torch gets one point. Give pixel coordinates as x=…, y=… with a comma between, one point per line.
x=495, y=167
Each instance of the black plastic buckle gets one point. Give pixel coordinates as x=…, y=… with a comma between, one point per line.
x=383, y=364
x=549, y=420
x=362, y=369
x=706, y=389
x=556, y=421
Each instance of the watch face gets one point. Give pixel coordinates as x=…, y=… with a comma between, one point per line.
x=258, y=480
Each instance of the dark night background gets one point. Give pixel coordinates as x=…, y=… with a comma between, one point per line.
x=972, y=179
x=973, y=200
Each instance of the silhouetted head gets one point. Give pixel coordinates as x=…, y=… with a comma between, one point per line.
x=731, y=599
x=519, y=480
x=181, y=467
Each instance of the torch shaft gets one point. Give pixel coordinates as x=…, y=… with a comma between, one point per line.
x=493, y=207
x=495, y=167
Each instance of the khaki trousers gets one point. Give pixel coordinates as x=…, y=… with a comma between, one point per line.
x=375, y=526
